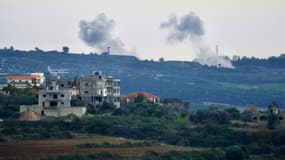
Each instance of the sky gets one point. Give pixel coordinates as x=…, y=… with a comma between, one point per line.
x=238, y=27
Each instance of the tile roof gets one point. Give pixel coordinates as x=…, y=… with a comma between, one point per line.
x=22, y=76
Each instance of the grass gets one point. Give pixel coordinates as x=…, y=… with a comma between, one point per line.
x=280, y=87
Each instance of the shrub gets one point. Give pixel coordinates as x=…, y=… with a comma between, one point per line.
x=235, y=153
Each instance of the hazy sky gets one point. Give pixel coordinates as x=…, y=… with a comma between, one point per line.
x=244, y=27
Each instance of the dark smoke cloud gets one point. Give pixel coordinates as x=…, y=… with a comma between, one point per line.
x=190, y=27
x=98, y=34
x=187, y=26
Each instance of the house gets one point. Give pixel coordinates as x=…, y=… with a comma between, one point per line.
x=73, y=91
x=132, y=96
x=54, y=101
x=25, y=81
x=262, y=117
x=96, y=88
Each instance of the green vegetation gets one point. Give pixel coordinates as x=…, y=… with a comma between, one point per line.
x=167, y=123
x=253, y=80
x=103, y=155
x=10, y=102
x=119, y=145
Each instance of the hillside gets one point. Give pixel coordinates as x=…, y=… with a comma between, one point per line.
x=253, y=81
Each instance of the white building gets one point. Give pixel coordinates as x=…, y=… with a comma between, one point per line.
x=25, y=81
x=55, y=102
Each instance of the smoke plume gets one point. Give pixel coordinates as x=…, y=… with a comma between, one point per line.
x=98, y=34
x=190, y=27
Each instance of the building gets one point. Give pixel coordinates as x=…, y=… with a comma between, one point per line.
x=262, y=117
x=70, y=85
x=25, y=81
x=132, y=96
x=55, y=102
x=96, y=88
x=53, y=97
x=113, y=90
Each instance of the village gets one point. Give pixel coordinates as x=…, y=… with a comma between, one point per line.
x=55, y=94
x=82, y=116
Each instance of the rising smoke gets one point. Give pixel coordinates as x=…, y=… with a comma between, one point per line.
x=98, y=34
x=190, y=27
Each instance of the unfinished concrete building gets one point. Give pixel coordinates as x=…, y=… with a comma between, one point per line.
x=54, y=101
x=95, y=89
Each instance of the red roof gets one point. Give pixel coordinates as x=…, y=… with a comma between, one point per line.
x=135, y=94
x=22, y=76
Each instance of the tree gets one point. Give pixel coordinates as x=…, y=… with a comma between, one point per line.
x=161, y=59
x=251, y=109
x=235, y=153
x=273, y=116
x=65, y=49
x=139, y=98
x=234, y=113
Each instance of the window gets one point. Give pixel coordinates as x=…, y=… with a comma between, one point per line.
x=62, y=102
x=262, y=118
x=62, y=95
x=62, y=85
x=44, y=95
x=54, y=96
x=53, y=104
x=86, y=92
x=86, y=84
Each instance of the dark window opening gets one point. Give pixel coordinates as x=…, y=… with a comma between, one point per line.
x=44, y=95
x=280, y=118
x=53, y=104
x=98, y=99
x=263, y=118
x=55, y=96
x=62, y=95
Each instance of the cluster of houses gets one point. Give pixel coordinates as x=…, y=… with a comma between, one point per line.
x=55, y=94
x=262, y=118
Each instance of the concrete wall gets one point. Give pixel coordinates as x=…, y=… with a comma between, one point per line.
x=64, y=111
x=57, y=112
x=262, y=118
x=46, y=97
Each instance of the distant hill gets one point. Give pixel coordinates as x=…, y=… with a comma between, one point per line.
x=253, y=81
